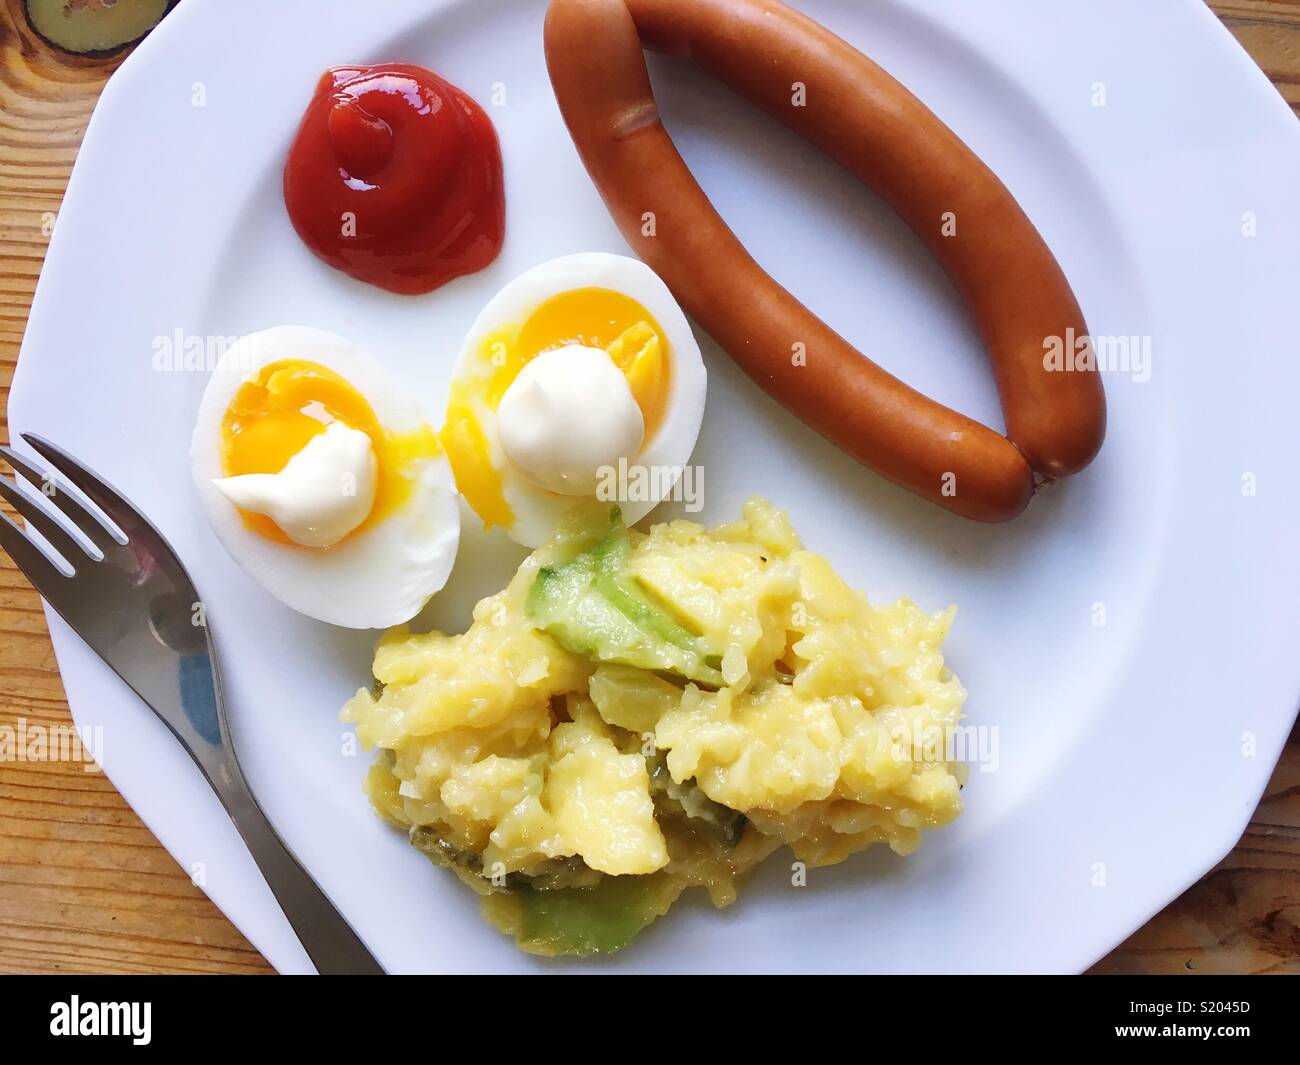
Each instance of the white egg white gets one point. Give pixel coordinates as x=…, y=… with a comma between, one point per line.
x=536, y=510
x=382, y=574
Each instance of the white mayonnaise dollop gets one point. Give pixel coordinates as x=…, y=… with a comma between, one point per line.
x=568, y=413
x=322, y=494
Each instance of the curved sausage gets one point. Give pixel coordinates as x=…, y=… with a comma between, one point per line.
x=868, y=122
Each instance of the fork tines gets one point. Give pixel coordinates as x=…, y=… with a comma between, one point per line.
x=31, y=559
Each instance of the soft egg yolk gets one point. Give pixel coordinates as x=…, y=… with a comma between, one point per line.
x=277, y=410
x=590, y=317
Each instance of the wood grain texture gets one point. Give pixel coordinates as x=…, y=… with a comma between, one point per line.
x=84, y=886
x=1270, y=31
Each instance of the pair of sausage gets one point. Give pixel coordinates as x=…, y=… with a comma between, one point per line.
x=821, y=87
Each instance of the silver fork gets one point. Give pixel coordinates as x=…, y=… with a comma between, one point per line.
x=136, y=607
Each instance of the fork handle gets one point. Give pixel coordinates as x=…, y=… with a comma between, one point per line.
x=328, y=939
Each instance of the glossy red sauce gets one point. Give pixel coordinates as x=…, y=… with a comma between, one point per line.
x=395, y=178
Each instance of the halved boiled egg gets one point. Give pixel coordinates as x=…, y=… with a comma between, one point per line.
x=322, y=480
x=581, y=379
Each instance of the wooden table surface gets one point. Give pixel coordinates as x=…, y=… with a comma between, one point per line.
x=85, y=887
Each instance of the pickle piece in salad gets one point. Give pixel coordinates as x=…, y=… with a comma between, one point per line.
x=594, y=607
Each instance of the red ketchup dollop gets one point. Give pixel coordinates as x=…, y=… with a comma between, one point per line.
x=395, y=178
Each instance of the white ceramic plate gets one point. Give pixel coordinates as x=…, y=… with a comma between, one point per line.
x=1131, y=637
